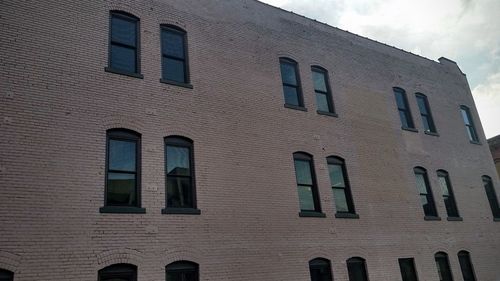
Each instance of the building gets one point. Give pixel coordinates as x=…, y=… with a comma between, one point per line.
x=291, y=150
x=494, y=144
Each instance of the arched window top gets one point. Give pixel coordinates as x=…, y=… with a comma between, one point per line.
x=398, y=89
x=173, y=28
x=301, y=155
x=288, y=60
x=319, y=68
x=420, y=169
x=319, y=262
x=441, y=255
x=486, y=178
x=464, y=107
x=178, y=140
x=463, y=253
x=122, y=132
x=420, y=95
x=442, y=172
x=121, y=271
x=356, y=259
x=124, y=14
x=335, y=160
x=6, y=274
x=182, y=265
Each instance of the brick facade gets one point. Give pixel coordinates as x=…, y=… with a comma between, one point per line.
x=494, y=144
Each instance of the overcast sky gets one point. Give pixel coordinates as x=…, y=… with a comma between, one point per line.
x=466, y=31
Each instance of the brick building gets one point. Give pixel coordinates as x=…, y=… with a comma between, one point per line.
x=168, y=140
x=494, y=144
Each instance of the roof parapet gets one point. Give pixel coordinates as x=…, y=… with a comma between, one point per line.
x=450, y=64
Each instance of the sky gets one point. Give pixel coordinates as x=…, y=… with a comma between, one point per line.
x=466, y=31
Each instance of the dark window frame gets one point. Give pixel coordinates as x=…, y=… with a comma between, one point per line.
x=6, y=275
x=429, y=195
x=187, y=77
x=119, y=270
x=298, y=87
x=492, y=197
x=321, y=264
x=406, y=111
x=357, y=260
x=183, y=266
x=465, y=254
x=471, y=128
x=306, y=157
x=443, y=255
x=414, y=268
x=430, y=119
x=451, y=195
x=351, y=213
x=328, y=93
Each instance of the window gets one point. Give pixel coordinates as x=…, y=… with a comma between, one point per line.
x=124, y=43
x=123, y=167
x=466, y=266
x=291, y=83
x=320, y=270
x=408, y=271
x=322, y=89
x=403, y=109
x=356, y=268
x=182, y=271
x=179, y=167
x=6, y=275
x=443, y=267
x=306, y=183
x=448, y=197
x=425, y=113
x=118, y=272
x=469, y=124
x=174, y=55
x=340, y=185
x=492, y=196
x=425, y=192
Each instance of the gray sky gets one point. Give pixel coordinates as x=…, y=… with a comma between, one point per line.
x=466, y=31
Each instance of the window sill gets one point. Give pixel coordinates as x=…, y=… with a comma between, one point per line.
x=455, y=219
x=312, y=214
x=496, y=219
x=122, y=210
x=410, y=129
x=170, y=82
x=346, y=216
x=332, y=114
x=431, y=133
x=181, y=211
x=296, y=107
x=475, y=142
x=121, y=72
x=432, y=218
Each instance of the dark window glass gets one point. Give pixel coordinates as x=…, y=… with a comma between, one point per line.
x=492, y=196
x=340, y=185
x=469, y=124
x=443, y=267
x=356, y=268
x=403, y=108
x=182, y=271
x=466, y=266
x=6, y=275
x=291, y=82
x=425, y=113
x=448, y=197
x=179, y=169
x=122, y=173
x=320, y=270
x=322, y=89
x=124, y=43
x=408, y=271
x=425, y=192
x=174, y=54
x=118, y=272
x=306, y=182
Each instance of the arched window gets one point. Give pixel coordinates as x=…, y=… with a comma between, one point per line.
x=466, y=266
x=492, y=197
x=182, y=271
x=306, y=185
x=356, y=268
x=424, y=190
x=320, y=270
x=408, y=271
x=324, y=100
x=403, y=109
x=448, y=196
x=425, y=113
x=118, y=272
x=6, y=275
x=174, y=55
x=340, y=186
x=124, y=44
x=469, y=124
x=291, y=83
x=443, y=266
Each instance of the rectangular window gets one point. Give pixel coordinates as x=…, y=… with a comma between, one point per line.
x=492, y=196
x=306, y=183
x=403, y=109
x=425, y=113
x=469, y=124
x=124, y=43
x=448, y=197
x=425, y=193
x=408, y=271
x=340, y=185
x=291, y=83
x=174, y=55
x=322, y=89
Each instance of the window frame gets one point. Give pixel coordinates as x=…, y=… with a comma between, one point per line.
x=351, y=213
x=432, y=125
x=429, y=195
x=120, y=270
x=187, y=77
x=406, y=111
x=466, y=255
x=412, y=261
x=451, y=195
x=328, y=93
x=7, y=275
x=470, y=126
x=183, y=266
x=363, y=264
x=298, y=87
x=443, y=255
x=306, y=157
x=321, y=264
x=492, y=197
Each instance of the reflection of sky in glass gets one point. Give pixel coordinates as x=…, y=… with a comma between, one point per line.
x=322, y=102
x=173, y=44
x=465, y=116
x=122, y=155
x=123, y=31
x=400, y=100
x=319, y=81
x=421, y=183
x=178, y=160
x=288, y=74
x=444, y=185
x=421, y=105
x=306, y=198
x=303, y=172
x=340, y=200
x=336, y=176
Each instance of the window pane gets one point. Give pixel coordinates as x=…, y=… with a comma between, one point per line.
x=451, y=208
x=178, y=161
x=356, y=271
x=173, y=70
x=422, y=105
x=472, y=133
x=400, y=100
x=306, y=198
x=172, y=44
x=404, y=119
x=425, y=203
x=121, y=189
x=443, y=269
x=123, y=31
x=426, y=122
x=123, y=58
x=340, y=200
x=322, y=102
x=492, y=198
x=303, y=172
x=291, y=95
x=321, y=273
x=466, y=266
x=288, y=74
x=336, y=175
x=122, y=155
x=179, y=192
x=444, y=185
x=319, y=80
x=421, y=185
x=174, y=276
x=408, y=271
x=465, y=116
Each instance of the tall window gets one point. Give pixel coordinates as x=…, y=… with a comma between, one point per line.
x=408, y=271
x=322, y=89
x=6, y=275
x=448, y=197
x=123, y=168
x=118, y=272
x=425, y=192
x=291, y=83
x=425, y=113
x=492, y=196
x=466, y=266
x=174, y=54
x=340, y=185
x=306, y=183
x=403, y=109
x=124, y=43
x=356, y=268
x=469, y=124
x=182, y=271
x=320, y=270
x=179, y=167
x=443, y=267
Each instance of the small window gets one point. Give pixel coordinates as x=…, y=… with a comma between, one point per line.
x=306, y=182
x=443, y=267
x=291, y=83
x=174, y=54
x=408, y=271
x=469, y=124
x=124, y=43
x=466, y=266
x=6, y=275
x=492, y=196
x=425, y=192
x=320, y=270
x=356, y=268
x=425, y=113
x=182, y=271
x=118, y=272
x=322, y=89
x=340, y=185
x=403, y=109
x=448, y=197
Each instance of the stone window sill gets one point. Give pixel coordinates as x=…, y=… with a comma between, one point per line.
x=312, y=214
x=122, y=210
x=121, y=72
x=181, y=211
